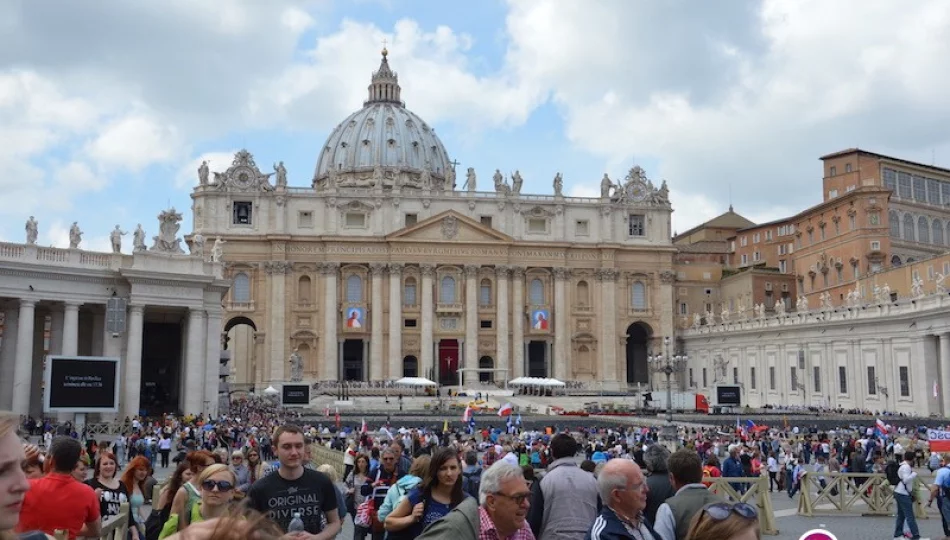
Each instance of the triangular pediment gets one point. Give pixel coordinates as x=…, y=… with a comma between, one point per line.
x=449, y=226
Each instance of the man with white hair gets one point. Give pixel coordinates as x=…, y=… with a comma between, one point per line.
x=623, y=490
x=499, y=514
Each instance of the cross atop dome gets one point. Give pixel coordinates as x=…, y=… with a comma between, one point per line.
x=384, y=87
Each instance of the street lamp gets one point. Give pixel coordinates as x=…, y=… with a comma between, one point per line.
x=668, y=364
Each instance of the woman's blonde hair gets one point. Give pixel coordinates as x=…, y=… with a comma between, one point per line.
x=420, y=466
x=213, y=470
x=328, y=470
x=8, y=422
x=704, y=527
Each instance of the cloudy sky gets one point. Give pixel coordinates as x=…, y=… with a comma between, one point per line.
x=107, y=107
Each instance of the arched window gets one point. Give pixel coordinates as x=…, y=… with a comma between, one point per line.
x=484, y=293
x=937, y=232
x=583, y=293
x=909, y=227
x=409, y=292
x=410, y=366
x=354, y=289
x=447, y=294
x=536, y=292
x=638, y=296
x=895, y=224
x=486, y=362
x=303, y=290
x=241, y=289
x=895, y=261
x=923, y=230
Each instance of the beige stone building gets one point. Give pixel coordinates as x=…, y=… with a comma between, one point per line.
x=380, y=268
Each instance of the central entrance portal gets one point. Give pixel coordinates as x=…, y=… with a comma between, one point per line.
x=448, y=362
x=161, y=367
x=538, y=359
x=353, y=360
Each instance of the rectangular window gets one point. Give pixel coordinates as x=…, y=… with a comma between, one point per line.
x=905, y=381
x=920, y=189
x=837, y=228
x=752, y=377
x=411, y=219
x=945, y=192
x=582, y=227
x=684, y=308
x=355, y=220
x=851, y=223
x=704, y=378
x=755, y=256
x=305, y=219
x=768, y=236
x=933, y=191
x=692, y=381
x=833, y=193
x=409, y=294
x=872, y=381
x=755, y=238
x=735, y=375
x=242, y=212
x=537, y=225
x=484, y=294
x=840, y=272
x=635, y=225
x=707, y=276
x=890, y=179
x=410, y=323
x=794, y=378
x=822, y=232
x=745, y=259
x=833, y=171
x=732, y=246
x=875, y=245
x=816, y=374
x=811, y=236
x=843, y=379
x=903, y=185
x=772, y=378
x=485, y=324
x=486, y=221
x=847, y=167
x=782, y=267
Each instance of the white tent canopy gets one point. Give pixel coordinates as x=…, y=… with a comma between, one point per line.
x=415, y=381
x=270, y=390
x=536, y=381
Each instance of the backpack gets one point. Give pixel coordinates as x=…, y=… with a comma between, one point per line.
x=890, y=471
x=945, y=486
x=471, y=482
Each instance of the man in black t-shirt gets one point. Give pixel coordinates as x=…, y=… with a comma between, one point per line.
x=294, y=489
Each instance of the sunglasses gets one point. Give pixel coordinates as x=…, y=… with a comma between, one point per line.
x=222, y=485
x=721, y=511
x=518, y=499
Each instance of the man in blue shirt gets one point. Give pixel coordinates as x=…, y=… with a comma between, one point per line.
x=732, y=467
x=937, y=492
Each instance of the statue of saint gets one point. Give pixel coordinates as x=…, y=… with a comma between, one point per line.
x=499, y=180
x=167, y=240
x=697, y=320
x=663, y=194
x=605, y=185
x=558, y=185
x=138, y=239
x=281, y=174
x=75, y=236
x=32, y=231
x=203, y=174
x=217, y=250
x=116, y=238
x=377, y=177
x=780, y=307
x=426, y=177
x=516, y=181
x=198, y=245
x=450, y=179
x=296, y=367
x=470, y=180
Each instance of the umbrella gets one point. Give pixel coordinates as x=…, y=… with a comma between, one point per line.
x=415, y=381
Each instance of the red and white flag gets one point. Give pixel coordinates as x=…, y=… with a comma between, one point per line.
x=337, y=418
x=881, y=426
x=326, y=411
x=363, y=426
x=506, y=409
x=467, y=414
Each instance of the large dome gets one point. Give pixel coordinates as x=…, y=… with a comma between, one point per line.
x=383, y=139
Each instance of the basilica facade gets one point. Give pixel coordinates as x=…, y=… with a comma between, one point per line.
x=386, y=265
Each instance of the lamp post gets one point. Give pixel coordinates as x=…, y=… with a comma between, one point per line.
x=668, y=364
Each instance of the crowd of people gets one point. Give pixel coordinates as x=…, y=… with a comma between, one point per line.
x=252, y=473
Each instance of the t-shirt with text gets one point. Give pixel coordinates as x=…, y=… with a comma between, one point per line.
x=312, y=495
x=109, y=499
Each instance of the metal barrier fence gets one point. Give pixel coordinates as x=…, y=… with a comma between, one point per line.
x=865, y=494
x=114, y=528
x=320, y=454
x=753, y=491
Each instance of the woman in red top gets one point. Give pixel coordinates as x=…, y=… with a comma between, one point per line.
x=711, y=469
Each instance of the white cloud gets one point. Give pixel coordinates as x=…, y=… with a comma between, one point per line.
x=136, y=141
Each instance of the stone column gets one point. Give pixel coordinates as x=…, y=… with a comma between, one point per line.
x=517, y=321
x=561, y=330
x=71, y=329
x=501, y=322
x=471, y=322
x=376, y=359
x=132, y=368
x=212, y=358
x=395, y=320
x=194, y=390
x=944, y=363
x=277, y=275
x=425, y=345
x=23, y=367
x=11, y=317
x=331, y=314
x=608, y=325
x=260, y=339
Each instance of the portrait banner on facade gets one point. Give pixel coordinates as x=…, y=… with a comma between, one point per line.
x=81, y=384
x=295, y=395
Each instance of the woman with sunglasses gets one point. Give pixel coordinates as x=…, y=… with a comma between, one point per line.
x=188, y=495
x=217, y=484
x=725, y=521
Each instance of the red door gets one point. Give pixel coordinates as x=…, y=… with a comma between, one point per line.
x=449, y=362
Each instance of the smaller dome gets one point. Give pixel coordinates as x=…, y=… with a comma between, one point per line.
x=384, y=143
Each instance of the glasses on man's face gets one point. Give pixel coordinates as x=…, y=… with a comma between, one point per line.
x=721, y=511
x=518, y=499
x=389, y=459
x=222, y=485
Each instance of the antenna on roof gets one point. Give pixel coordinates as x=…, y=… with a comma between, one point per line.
x=730, y=197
